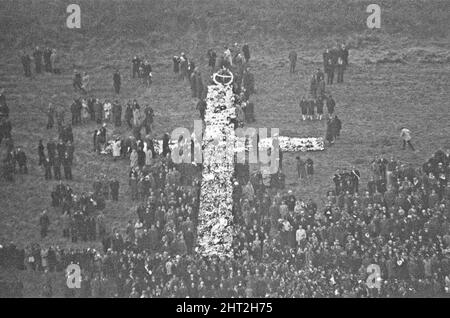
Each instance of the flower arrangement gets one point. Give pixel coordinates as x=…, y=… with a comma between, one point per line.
x=215, y=230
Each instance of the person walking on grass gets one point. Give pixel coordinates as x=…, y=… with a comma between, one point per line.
x=405, y=135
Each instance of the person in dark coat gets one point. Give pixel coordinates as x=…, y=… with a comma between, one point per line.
x=37, y=56
x=340, y=67
x=114, y=186
x=328, y=66
x=319, y=104
x=330, y=133
x=141, y=157
x=135, y=66
x=21, y=158
x=26, y=63
x=50, y=116
x=61, y=149
x=47, y=62
x=57, y=168
x=44, y=223
x=116, y=81
x=304, y=107
x=309, y=167
x=301, y=168
x=129, y=115
x=70, y=149
x=311, y=106
x=166, y=148
x=292, y=61
x=199, y=84
x=330, y=103
x=337, y=125
x=246, y=51
x=176, y=64
x=41, y=153
x=344, y=54
x=78, y=81
x=48, y=168
x=117, y=113
x=67, y=167
x=212, y=55
x=51, y=151
x=313, y=86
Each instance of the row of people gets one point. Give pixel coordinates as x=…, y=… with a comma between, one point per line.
x=46, y=57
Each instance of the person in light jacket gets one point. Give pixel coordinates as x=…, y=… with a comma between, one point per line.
x=405, y=135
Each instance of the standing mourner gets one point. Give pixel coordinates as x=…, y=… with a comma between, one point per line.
x=44, y=223
x=135, y=66
x=340, y=69
x=21, y=159
x=26, y=63
x=330, y=103
x=328, y=65
x=309, y=167
x=344, y=54
x=212, y=56
x=47, y=61
x=292, y=61
x=301, y=168
x=41, y=153
x=246, y=51
x=176, y=64
x=405, y=135
x=37, y=56
x=50, y=116
x=337, y=126
x=330, y=133
x=311, y=106
x=304, y=107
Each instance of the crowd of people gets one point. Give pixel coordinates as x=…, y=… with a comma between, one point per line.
x=284, y=246
x=81, y=214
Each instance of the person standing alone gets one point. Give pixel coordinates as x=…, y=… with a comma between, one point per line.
x=116, y=81
x=405, y=134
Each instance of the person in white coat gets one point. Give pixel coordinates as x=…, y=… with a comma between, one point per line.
x=148, y=156
x=116, y=145
x=405, y=134
x=300, y=235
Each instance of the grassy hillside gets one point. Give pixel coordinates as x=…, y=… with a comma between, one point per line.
x=26, y=23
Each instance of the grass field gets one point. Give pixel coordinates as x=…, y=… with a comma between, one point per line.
x=373, y=103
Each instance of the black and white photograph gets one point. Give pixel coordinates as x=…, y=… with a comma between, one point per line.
x=225, y=154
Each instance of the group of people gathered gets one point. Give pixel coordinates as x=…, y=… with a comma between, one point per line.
x=284, y=246
x=335, y=60
x=44, y=60
x=141, y=68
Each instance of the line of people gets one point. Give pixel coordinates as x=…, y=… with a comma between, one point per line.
x=313, y=109
x=58, y=154
x=44, y=59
